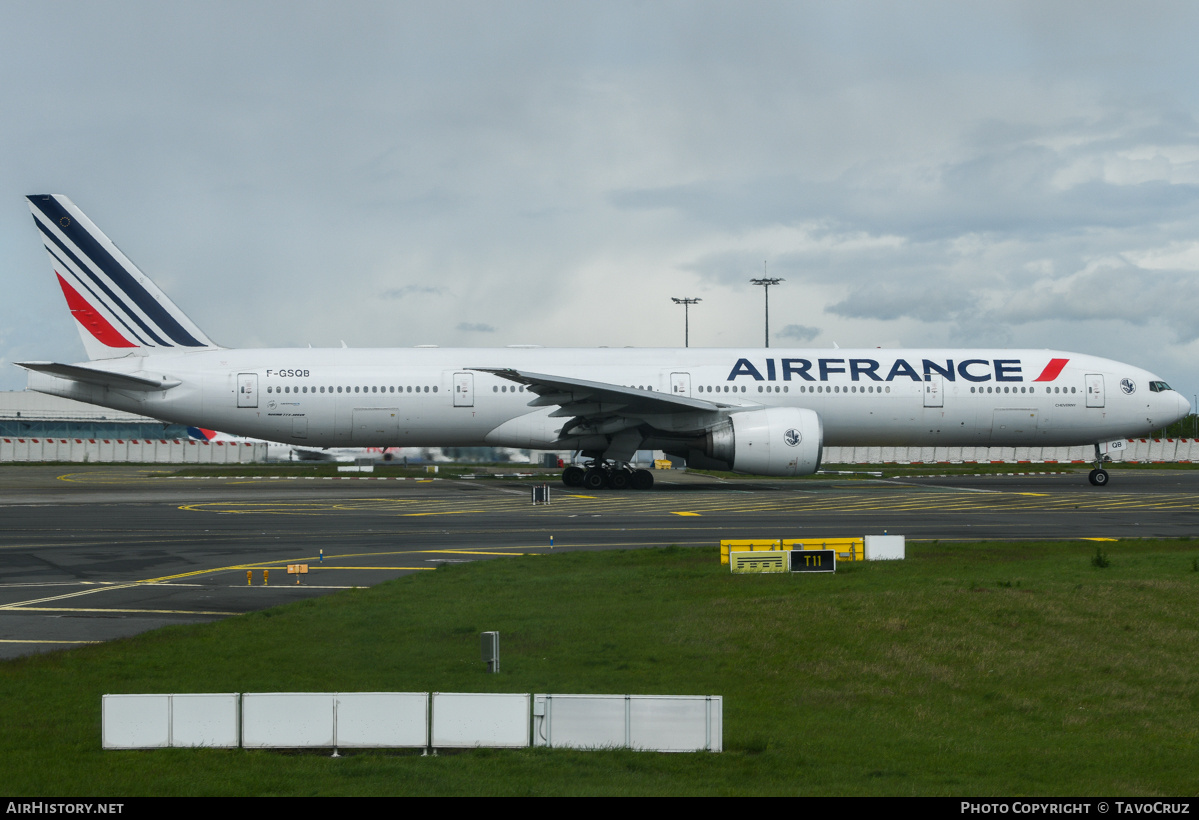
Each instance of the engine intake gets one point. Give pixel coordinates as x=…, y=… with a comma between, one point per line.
x=782, y=441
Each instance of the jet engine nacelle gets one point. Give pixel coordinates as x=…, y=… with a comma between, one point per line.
x=774, y=441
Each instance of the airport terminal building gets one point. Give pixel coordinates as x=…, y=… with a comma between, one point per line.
x=37, y=427
x=35, y=415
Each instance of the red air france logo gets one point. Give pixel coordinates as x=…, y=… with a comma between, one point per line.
x=1052, y=370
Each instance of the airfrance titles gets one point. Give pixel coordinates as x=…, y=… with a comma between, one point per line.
x=809, y=370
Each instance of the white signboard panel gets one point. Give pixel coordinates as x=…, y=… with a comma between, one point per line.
x=884, y=547
x=382, y=720
x=674, y=724
x=580, y=721
x=204, y=720
x=286, y=720
x=662, y=723
x=465, y=720
x=135, y=721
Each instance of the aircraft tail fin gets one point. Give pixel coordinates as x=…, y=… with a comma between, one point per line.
x=117, y=309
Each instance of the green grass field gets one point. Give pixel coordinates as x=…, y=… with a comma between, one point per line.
x=969, y=669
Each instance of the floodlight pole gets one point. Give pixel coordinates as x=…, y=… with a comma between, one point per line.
x=686, y=302
x=766, y=283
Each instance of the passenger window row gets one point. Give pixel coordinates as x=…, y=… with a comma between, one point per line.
x=702, y=389
x=818, y=388
x=1032, y=389
x=835, y=388
x=354, y=389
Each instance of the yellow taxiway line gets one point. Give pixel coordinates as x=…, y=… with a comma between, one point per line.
x=126, y=611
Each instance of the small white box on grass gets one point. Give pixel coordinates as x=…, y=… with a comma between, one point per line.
x=884, y=548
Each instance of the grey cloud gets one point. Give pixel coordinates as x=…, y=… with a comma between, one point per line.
x=410, y=290
x=532, y=154
x=1000, y=195
x=801, y=333
x=1112, y=293
x=780, y=199
x=995, y=178
x=929, y=302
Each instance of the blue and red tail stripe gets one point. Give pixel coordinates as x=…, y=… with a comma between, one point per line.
x=87, y=316
x=84, y=274
x=104, y=290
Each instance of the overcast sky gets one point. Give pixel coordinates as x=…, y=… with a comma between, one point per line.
x=491, y=173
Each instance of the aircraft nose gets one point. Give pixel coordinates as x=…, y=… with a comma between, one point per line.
x=1184, y=406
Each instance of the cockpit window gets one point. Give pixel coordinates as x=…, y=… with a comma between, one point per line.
x=1158, y=387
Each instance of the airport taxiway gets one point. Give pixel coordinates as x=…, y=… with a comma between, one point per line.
x=93, y=553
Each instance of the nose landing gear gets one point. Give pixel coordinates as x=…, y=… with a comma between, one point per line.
x=1098, y=477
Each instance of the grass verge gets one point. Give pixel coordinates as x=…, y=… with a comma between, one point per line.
x=969, y=669
x=890, y=470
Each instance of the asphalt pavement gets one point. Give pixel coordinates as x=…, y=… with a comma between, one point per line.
x=93, y=553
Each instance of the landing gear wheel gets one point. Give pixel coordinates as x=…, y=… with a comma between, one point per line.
x=620, y=479
x=642, y=479
x=1098, y=478
x=594, y=479
x=573, y=476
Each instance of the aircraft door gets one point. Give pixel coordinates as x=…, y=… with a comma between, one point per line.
x=934, y=390
x=1094, y=390
x=464, y=389
x=247, y=389
x=680, y=384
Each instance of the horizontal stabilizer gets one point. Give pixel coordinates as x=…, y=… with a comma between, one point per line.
x=103, y=378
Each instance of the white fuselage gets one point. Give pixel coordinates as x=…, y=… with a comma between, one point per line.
x=435, y=397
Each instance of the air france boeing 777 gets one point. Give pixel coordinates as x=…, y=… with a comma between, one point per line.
x=761, y=411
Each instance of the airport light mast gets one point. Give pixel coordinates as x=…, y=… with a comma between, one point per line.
x=686, y=302
x=766, y=283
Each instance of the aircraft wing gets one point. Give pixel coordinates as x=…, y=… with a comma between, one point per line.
x=605, y=409
x=103, y=378
x=578, y=397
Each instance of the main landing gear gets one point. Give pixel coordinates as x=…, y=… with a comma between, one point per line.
x=611, y=475
x=1098, y=477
